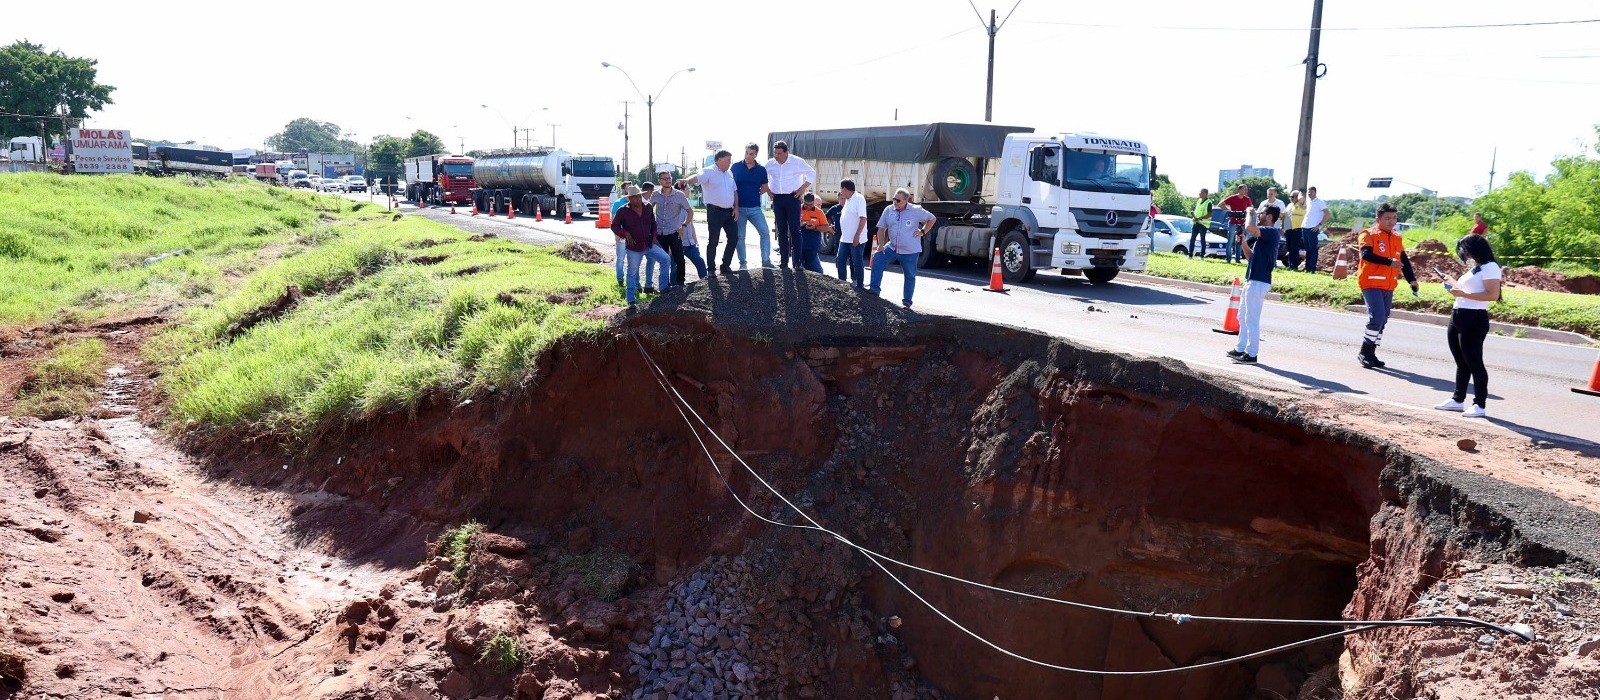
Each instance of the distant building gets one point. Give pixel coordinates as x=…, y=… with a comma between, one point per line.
x=1226, y=176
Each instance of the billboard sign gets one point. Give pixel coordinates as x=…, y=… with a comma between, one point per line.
x=102, y=151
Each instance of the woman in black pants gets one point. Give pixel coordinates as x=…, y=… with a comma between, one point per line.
x=1469, y=323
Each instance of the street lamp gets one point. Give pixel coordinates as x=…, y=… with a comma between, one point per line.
x=650, y=103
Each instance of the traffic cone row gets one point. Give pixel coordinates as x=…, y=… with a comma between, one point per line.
x=1594, y=382
x=1230, y=320
x=1341, y=265
x=997, y=280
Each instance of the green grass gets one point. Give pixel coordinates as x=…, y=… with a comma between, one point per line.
x=502, y=653
x=452, y=545
x=379, y=330
x=75, y=246
x=65, y=381
x=605, y=572
x=1569, y=312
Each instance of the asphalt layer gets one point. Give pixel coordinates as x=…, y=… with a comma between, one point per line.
x=1309, y=348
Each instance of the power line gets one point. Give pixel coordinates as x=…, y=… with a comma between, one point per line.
x=1420, y=27
x=1355, y=626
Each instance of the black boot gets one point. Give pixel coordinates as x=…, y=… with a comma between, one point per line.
x=1368, y=356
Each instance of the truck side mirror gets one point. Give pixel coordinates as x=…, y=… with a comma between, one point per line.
x=1036, y=164
x=1152, y=173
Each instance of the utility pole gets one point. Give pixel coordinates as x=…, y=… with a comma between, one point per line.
x=552, y=133
x=993, y=28
x=624, y=127
x=1492, y=160
x=1314, y=70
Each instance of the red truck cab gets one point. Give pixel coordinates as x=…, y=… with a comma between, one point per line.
x=453, y=177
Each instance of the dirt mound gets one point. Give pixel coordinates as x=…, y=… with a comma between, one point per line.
x=580, y=251
x=1432, y=246
x=1430, y=254
x=1583, y=284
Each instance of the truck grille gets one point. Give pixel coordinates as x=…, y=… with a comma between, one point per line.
x=594, y=192
x=1093, y=221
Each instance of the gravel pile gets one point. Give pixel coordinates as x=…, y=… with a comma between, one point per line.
x=786, y=306
x=701, y=647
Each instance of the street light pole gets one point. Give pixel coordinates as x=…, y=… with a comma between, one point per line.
x=991, y=28
x=552, y=133
x=650, y=104
x=624, y=127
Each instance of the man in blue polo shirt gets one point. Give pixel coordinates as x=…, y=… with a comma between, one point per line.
x=900, y=232
x=1260, y=245
x=750, y=180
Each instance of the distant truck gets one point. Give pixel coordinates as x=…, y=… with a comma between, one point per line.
x=1079, y=203
x=555, y=182
x=171, y=160
x=267, y=172
x=440, y=179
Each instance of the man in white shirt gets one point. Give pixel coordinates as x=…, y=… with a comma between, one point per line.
x=1271, y=201
x=788, y=178
x=853, y=233
x=1316, y=216
x=717, y=190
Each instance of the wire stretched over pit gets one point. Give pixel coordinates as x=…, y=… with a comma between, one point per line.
x=685, y=410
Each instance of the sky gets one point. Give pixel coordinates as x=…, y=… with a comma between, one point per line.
x=1207, y=85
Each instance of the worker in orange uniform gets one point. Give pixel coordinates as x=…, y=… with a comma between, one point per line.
x=813, y=223
x=1383, y=261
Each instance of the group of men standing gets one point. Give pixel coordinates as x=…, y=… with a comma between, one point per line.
x=656, y=226
x=1300, y=219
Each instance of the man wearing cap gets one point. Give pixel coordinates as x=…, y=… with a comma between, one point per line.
x=636, y=225
x=788, y=178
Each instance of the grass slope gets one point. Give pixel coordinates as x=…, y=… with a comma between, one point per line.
x=393, y=310
x=1568, y=312
x=76, y=245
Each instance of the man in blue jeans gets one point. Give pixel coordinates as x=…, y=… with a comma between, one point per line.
x=900, y=232
x=749, y=181
x=853, y=233
x=636, y=224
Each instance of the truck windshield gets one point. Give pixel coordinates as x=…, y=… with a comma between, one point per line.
x=458, y=169
x=1119, y=173
x=593, y=168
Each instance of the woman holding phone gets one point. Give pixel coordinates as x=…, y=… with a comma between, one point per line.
x=1469, y=324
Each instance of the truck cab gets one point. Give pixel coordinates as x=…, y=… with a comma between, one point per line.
x=1077, y=202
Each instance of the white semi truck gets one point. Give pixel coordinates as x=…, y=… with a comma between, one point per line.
x=1079, y=203
x=553, y=181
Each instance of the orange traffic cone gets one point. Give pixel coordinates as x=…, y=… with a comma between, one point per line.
x=1230, y=320
x=1341, y=264
x=474, y=207
x=604, y=218
x=997, y=281
x=422, y=201
x=538, y=213
x=569, y=216
x=1594, y=382
x=511, y=210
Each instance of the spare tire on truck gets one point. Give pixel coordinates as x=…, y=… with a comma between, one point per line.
x=955, y=179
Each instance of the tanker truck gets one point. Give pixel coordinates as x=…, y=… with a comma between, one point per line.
x=439, y=179
x=554, y=181
x=1076, y=202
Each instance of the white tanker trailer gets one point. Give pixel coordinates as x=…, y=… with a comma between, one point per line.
x=553, y=181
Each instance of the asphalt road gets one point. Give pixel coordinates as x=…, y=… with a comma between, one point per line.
x=1311, y=348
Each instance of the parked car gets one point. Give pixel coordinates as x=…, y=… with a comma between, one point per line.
x=1170, y=234
x=355, y=183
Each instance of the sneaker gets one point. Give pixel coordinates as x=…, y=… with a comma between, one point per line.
x=1450, y=405
x=1474, y=411
x=906, y=304
x=649, y=290
x=1235, y=354
x=1244, y=359
x=725, y=270
x=769, y=266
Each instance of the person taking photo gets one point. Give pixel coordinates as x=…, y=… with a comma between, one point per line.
x=1469, y=324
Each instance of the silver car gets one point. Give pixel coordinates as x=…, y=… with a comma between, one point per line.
x=1170, y=234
